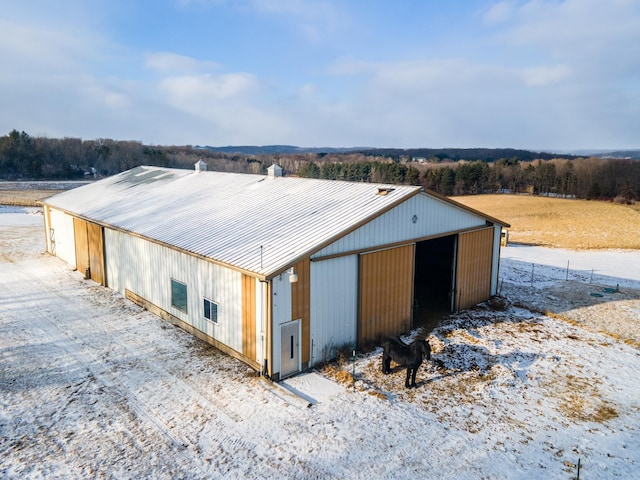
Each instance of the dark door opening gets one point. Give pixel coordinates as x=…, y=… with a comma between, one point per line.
x=433, y=280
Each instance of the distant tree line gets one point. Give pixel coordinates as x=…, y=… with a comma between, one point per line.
x=585, y=178
x=448, y=171
x=26, y=157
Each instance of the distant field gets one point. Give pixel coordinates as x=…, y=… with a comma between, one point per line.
x=28, y=198
x=562, y=223
x=29, y=193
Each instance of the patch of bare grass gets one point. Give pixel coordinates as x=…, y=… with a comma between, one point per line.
x=562, y=223
x=580, y=399
x=25, y=198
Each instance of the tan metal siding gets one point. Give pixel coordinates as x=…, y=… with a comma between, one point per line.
x=249, y=317
x=386, y=293
x=89, y=250
x=82, y=244
x=96, y=253
x=474, y=267
x=301, y=304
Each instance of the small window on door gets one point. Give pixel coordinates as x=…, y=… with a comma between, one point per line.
x=179, y=295
x=210, y=310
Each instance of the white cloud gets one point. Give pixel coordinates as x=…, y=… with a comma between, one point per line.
x=307, y=90
x=167, y=62
x=501, y=12
x=198, y=90
x=25, y=48
x=588, y=31
x=314, y=19
x=225, y=106
x=545, y=76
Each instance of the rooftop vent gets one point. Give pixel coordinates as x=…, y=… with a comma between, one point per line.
x=385, y=190
x=200, y=166
x=274, y=170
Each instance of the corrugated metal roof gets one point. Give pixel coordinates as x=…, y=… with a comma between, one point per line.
x=252, y=222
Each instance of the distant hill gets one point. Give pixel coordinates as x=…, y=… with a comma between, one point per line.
x=276, y=149
x=455, y=154
x=469, y=154
x=632, y=154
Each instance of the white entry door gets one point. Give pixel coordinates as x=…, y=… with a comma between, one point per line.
x=289, y=348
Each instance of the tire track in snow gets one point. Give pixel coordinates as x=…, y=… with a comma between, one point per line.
x=214, y=442
x=41, y=322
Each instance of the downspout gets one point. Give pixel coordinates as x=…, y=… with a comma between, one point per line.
x=267, y=367
x=454, y=275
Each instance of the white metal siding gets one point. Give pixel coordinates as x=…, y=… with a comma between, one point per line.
x=65, y=243
x=433, y=217
x=334, y=305
x=281, y=308
x=146, y=269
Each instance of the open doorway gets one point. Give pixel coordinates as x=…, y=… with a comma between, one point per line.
x=433, y=281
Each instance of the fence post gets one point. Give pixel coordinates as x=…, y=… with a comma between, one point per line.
x=353, y=375
x=533, y=265
x=567, y=278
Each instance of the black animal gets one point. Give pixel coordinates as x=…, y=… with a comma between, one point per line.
x=409, y=356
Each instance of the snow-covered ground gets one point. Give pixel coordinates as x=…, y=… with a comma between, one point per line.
x=92, y=386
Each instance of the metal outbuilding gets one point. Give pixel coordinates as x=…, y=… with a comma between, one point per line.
x=280, y=272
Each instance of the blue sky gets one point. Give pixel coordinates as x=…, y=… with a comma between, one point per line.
x=539, y=74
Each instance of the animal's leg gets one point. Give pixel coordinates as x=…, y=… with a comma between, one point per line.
x=413, y=378
x=406, y=380
x=386, y=364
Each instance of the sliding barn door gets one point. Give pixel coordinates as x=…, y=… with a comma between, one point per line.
x=89, y=242
x=473, y=267
x=386, y=293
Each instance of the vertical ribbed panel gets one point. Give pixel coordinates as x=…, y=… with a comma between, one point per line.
x=89, y=248
x=280, y=313
x=65, y=247
x=96, y=253
x=82, y=244
x=334, y=294
x=301, y=304
x=386, y=293
x=420, y=216
x=249, y=317
x=474, y=272
x=495, y=266
x=146, y=269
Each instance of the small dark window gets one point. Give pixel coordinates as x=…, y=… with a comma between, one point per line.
x=179, y=295
x=210, y=310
